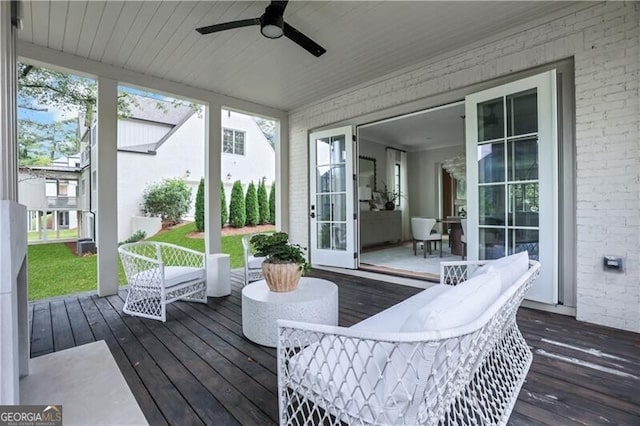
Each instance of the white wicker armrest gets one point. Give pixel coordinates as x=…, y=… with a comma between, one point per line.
x=453, y=273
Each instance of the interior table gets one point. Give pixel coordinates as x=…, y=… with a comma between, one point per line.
x=455, y=232
x=315, y=300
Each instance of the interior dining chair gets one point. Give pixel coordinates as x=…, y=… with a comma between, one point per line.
x=463, y=237
x=421, y=230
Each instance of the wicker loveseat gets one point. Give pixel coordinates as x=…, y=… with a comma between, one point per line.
x=452, y=354
x=161, y=273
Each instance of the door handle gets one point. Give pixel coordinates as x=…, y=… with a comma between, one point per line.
x=313, y=215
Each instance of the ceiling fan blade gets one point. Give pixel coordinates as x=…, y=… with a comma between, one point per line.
x=228, y=26
x=280, y=6
x=303, y=41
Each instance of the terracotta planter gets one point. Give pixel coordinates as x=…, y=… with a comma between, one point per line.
x=281, y=277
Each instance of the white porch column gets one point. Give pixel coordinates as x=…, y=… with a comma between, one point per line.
x=14, y=324
x=8, y=109
x=282, y=175
x=218, y=265
x=107, y=185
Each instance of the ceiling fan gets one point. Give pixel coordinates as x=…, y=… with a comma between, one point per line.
x=272, y=25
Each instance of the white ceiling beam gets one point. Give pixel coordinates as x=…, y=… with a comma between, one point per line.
x=63, y=61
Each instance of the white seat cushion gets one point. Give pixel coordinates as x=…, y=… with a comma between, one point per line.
x=458, y=306
x=174, y=275
x=434, y=237
x=255, y=262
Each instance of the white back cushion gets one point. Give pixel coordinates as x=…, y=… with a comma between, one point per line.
x=511, y=268
x=391, y=319
x=456, y=307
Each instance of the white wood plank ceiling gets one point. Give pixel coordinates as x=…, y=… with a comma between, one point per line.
x=364, y=40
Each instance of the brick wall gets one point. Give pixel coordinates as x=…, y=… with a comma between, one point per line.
x=604, y=42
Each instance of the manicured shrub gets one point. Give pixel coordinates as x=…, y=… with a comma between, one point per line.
x=263, y=203
x=169, y=199
x=251, y=204
x=237, y=211
x=200, y=207
x=224, y=213
x=272, y=203
x=135, y=237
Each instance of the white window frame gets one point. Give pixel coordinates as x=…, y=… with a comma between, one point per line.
x=234, y=143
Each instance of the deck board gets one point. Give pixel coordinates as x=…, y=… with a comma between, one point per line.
x=62, y=334
x=198, y=368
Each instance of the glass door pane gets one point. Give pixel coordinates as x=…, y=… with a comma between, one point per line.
x=331, y=189
x=512, y=160
x=332, y=198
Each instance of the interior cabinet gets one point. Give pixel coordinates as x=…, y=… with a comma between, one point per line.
x=380, y=227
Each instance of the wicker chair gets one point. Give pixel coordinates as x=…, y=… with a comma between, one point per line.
x=252, y=264
x=371, y=373
x=161, y=273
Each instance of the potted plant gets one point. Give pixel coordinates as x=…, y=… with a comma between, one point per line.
x=284, y=263
x=391, y=197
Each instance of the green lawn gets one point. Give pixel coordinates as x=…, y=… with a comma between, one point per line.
x=53, y=235
x=54, y=270
x=231, y=244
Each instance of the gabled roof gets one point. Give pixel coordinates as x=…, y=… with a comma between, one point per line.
x=158, y=110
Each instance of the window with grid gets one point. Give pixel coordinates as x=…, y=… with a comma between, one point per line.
x=233, y=141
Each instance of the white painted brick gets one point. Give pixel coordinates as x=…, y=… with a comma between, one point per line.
x=604, y=41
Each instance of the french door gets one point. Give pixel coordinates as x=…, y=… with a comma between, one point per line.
x=512, y=176
x=331, y=210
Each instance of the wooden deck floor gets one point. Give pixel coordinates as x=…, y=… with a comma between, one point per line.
x=198, y=368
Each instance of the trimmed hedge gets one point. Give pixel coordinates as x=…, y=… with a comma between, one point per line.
x=263, y=203
x=237, y=210
x=272, y=203
x=224, y=213
x=251, y=204
x=200, y=207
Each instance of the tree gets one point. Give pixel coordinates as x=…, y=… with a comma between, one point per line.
x=268, y=128
x=224, y=214
x=251, y=204
x=272, y=203
x=40, y=87
x=237, y=211
x=169, y=199
x=200, y=207
x=263, y=203
x=40, y=143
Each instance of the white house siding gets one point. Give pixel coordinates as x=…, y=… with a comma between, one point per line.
x=183, y=152
x=259, y=159
x=31, y=191
x=603, y=39
x=136, y=132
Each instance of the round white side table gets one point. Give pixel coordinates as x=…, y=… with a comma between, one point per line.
x=315, y=300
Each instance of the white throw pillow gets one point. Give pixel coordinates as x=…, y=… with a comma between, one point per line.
x=456, y=307
x=511, y=268
x=484, y=269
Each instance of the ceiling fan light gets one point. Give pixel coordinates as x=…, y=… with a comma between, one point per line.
x=271, y=25
x=271, y=31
